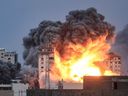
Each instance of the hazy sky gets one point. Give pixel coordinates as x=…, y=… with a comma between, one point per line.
x=17, y=17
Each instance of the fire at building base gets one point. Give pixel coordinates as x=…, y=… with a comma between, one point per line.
x=92, y=86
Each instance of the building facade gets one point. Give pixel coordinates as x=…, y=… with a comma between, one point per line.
x=8, y=57
x=45, y=60
x=19, y=88
x=105, y=83
x=16, y=88
x=114, y=63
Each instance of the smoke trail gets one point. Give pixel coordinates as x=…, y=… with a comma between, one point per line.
x=79, y=26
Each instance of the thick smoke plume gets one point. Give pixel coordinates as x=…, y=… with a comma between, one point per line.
x=79, y=26
x=8, y=71
x=29, y=74
x=121, y=48
x=38, y=37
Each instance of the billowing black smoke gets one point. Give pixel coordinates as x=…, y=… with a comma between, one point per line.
x=121, y=48
x=37, y=37
x=8, y=71
x=80, y=25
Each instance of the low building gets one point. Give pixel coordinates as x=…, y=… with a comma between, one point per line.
x=19, y=88
x=105, y=82
x=92, y=86
x=16, y=88
x=6, y=90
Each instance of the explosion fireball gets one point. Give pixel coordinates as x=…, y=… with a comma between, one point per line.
x=85, y=59
x=81, y=45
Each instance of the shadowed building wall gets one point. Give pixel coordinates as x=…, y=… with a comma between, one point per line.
x=105, y=82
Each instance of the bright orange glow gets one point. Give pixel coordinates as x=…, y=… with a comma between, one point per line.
x=79, y=60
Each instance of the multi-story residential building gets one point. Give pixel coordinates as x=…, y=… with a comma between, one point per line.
x=114, y=63
x=9, y=57
x=45, y=59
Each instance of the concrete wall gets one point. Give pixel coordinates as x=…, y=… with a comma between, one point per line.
x=77, y=92
x=19, y=89
x=6, y=93
x=54, y=92
x=93, y=86
x=105, y=82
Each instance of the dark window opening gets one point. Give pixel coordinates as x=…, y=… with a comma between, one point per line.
x=115, y=87
x=9, y=58
x=5, y=88
x=51, y=57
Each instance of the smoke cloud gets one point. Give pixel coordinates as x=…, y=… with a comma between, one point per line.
x=8, y=71
x=79, y=26
x=121, y=48
x=29, y=74
x=38, y=37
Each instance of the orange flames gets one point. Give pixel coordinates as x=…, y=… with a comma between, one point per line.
x=79, y=60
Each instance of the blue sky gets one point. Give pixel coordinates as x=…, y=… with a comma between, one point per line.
x=17, y=17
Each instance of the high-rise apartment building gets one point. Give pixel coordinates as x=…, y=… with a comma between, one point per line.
x=45, y=59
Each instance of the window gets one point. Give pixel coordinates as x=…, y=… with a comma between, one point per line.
x=50, y=50
x=114, y=86
x=51, y=57
x=119, y=62
x=6, y=55
x=9, y=58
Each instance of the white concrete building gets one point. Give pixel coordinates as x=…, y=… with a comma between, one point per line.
x=19, y=88
x=16, y=88
x=6, y=90
x=46, y=58
x=10, y=57
x=114, y=63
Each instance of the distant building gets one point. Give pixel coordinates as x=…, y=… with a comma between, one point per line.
x=114, y=63
x=9, y=57
x=16, y=88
